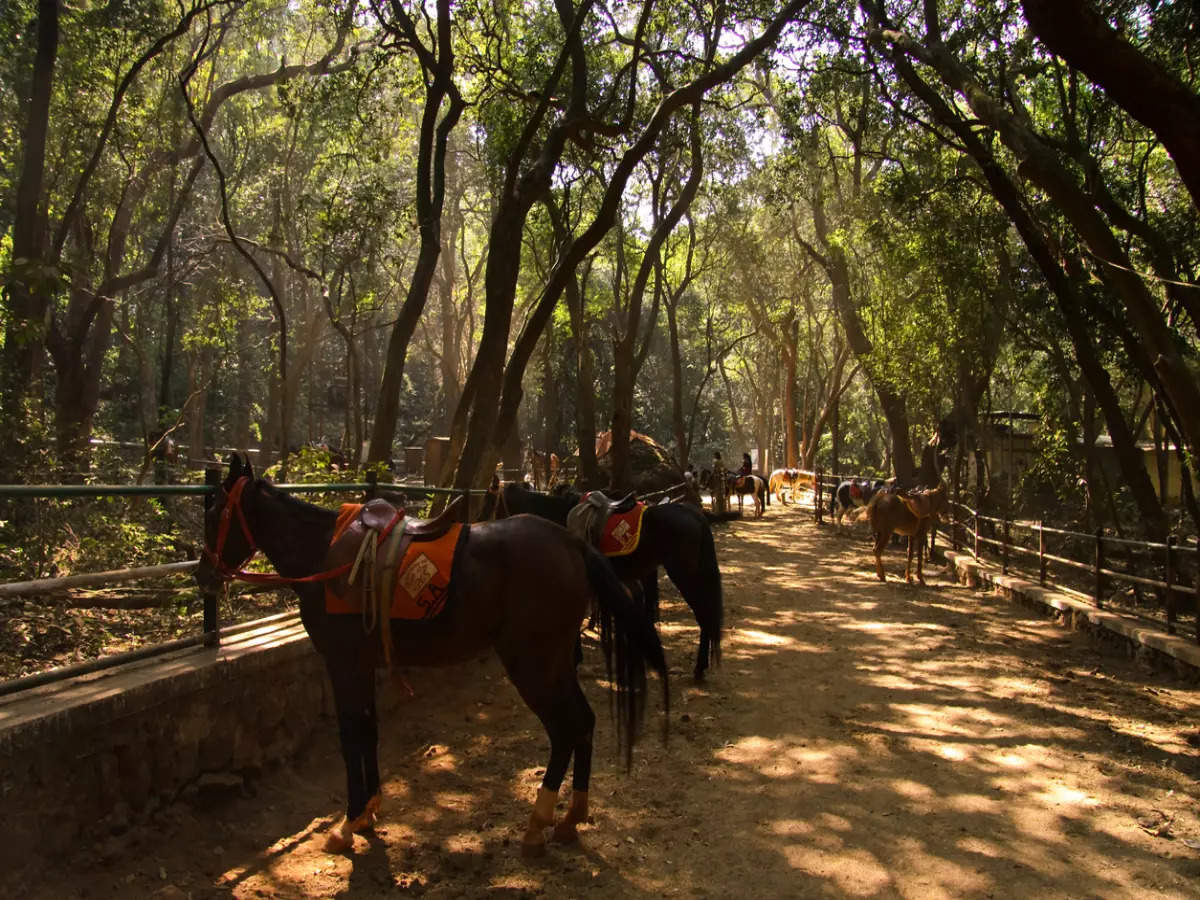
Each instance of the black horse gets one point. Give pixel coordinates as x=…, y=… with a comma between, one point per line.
x=856, y=492
x=675, y=536
x=530, y=614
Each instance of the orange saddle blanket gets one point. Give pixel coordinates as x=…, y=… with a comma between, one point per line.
x=622, y=532
x=422, y=582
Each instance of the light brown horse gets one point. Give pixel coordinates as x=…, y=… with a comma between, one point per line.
x=789, y=480
x=909, y=513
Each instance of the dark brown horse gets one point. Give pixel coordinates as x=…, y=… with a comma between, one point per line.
x=521, y=586
x=910, y=513
x=676, y=536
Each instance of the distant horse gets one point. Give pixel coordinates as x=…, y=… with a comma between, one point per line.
x=850, y=494
x=789, y=480
x=545, y=472
x=754, y=485
x=910, y=513
x=676, y=536
x=530, y=614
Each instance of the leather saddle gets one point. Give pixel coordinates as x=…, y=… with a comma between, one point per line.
x=924, y=504
x=611, y=507
x=394, y=532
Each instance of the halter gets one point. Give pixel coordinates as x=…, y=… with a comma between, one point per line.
x=233, y=503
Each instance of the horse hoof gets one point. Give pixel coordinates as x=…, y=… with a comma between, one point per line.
x=565, y=833
x=533, y=850
x=338, y=842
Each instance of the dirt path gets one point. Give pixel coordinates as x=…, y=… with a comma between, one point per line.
x=859, y=740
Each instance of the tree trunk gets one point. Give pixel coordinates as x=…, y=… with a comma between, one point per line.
x=438, y=64
x=791, y=446
x=683, y=445
x=29, y=282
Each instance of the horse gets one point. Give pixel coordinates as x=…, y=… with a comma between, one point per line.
x=530, y=615
x=856, y=492
x=676, y=536
x=790, y=480
x=542, y=470
x=909, y=513
x=754, y=485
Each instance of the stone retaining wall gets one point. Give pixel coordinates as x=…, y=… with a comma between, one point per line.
x=1148, y=642
x=81, y=760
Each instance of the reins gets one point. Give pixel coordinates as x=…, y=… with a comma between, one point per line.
x=231, y=573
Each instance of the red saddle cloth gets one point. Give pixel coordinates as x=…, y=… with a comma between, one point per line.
x=622, y=532
x=422, y=582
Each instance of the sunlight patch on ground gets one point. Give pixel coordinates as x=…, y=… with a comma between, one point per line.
x=913, y=790
x=453, y=799
x=920, y=873
x=869, y=626
x=465, y=842
x=981, y=847
x=974, y=804
x=762, y=638
x=891, y=682
x=790, y=827
x=952, y=753
x=1061, y=795
x=857, y=874
x=1009, y=759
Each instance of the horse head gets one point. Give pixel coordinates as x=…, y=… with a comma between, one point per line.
x=228, y=542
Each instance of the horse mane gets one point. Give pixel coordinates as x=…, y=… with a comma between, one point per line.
x=307, y=513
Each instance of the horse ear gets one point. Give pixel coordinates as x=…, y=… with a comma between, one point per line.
x=247, y=469
x=235, y=466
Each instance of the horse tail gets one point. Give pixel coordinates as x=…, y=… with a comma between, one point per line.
x=630, y=643
x=711, y=618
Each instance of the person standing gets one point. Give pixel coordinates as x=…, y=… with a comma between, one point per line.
x=718, y=485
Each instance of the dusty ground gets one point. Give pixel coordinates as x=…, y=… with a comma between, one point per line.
x=859, y=740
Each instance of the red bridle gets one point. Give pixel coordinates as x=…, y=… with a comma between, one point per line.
x=233, y=504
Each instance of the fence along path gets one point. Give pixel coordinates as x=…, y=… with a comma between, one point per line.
x=1164, y=569
x=211, y=628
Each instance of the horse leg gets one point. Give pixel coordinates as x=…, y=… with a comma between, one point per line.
x=698, y=595
x=650, y=594
x=554, y=705
x=881, y=540
x=358, y=730
x=584, y=722
x=919, y=538
x=908, y=564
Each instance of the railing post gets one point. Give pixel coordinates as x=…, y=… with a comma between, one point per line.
x=955, y=537
x=212, y=637
x=1196, y=600
x=818, y=487
x=1004, y=565
x=1170, y=579
x=1099, y=567
x=1041, y=551
x=372, y=483
x=975, y=533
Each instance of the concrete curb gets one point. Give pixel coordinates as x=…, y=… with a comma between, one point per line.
x=1144, y=641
